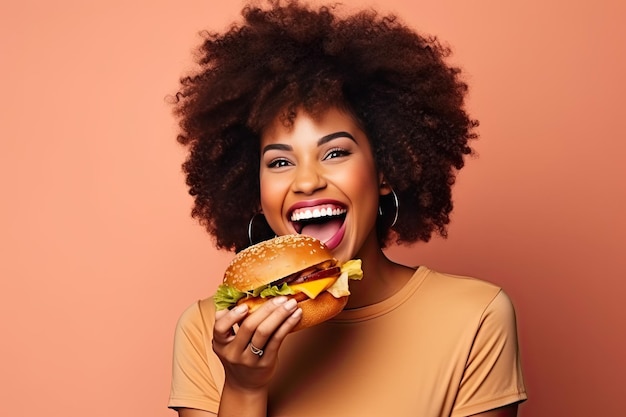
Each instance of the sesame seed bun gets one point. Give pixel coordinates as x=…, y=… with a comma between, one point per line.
x=274, y=259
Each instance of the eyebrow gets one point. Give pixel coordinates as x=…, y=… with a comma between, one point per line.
x=320, y=141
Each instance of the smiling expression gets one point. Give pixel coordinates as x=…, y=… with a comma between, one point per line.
x=318, y=177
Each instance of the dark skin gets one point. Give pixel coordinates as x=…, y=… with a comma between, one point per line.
x=303, y=170
x=274, y=64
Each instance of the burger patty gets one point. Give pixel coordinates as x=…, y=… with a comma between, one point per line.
x=323, y=270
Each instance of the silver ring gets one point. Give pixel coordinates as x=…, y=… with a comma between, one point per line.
x=257, y=351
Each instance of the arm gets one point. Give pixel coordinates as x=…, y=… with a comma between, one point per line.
x=201, y=381
x=248, y=375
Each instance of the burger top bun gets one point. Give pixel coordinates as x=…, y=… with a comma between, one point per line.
x=273, y=259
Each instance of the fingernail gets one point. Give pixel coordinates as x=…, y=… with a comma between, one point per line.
x=290, y=304
x=279, y=300
x=240, y=309
x=296, y=314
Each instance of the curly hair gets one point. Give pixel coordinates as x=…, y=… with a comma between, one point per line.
x=289, y=56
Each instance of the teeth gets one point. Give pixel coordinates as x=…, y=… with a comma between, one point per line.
x=316, y=213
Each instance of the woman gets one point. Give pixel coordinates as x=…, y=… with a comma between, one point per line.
x=297, y=109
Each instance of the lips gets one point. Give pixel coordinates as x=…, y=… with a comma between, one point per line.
x=323, y=220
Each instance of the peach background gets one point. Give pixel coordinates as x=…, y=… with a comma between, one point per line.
x=99, y=255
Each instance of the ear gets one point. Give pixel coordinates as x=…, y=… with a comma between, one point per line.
x=383, y=186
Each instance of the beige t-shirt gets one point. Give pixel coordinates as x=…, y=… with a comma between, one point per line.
x=443, y=345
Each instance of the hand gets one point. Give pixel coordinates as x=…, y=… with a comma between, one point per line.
x=264, y=329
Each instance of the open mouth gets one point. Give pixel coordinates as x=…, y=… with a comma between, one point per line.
x=321, y=222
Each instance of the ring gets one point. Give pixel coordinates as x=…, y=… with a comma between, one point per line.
x=257, y=351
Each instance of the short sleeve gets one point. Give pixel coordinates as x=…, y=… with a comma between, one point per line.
x=492, y=377
x=193, y=382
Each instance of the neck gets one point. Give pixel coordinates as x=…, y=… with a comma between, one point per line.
x=381, y=277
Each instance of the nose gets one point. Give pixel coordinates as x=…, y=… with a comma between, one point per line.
x=308, y=179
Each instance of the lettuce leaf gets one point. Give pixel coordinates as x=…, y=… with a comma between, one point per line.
x=274, y=291
x=349, y=270
x=227, y=296
x=340, y=287
x=353, y=269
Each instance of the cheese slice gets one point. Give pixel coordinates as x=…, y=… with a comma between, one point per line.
x=313, y=288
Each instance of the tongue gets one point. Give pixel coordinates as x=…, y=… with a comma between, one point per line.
x=322, y=231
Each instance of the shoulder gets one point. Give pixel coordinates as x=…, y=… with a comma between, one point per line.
x=196, y=318
x=463, y=301
x=194, y=333
x=461, y=290
x=460, y=282
x=197, y=374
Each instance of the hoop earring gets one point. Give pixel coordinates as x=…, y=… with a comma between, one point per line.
x=396, y=204
x=265, y=233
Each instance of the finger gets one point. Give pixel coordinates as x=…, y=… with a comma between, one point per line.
x=273, y=344
x=250, y=324
x=223, y=331
x=281, y=320
x=261, y=318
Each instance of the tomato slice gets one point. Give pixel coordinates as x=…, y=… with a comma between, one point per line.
x=324, y=273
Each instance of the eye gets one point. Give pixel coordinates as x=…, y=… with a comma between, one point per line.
x=278, y=163
x=336, y=153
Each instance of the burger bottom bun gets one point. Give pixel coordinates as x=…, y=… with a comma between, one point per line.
x=314, y=311
x=320, y=309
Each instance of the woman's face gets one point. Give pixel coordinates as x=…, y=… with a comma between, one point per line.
x=319, y=178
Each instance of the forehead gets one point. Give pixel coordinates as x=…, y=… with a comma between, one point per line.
x=308, y=126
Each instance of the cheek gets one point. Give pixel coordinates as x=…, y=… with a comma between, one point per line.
x=367, y=188
x=266, y=192
x=364, y=178
x=270, y=193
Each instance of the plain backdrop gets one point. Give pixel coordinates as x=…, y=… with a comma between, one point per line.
x=99, y=256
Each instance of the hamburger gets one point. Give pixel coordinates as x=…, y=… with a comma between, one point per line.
x=296, y=266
